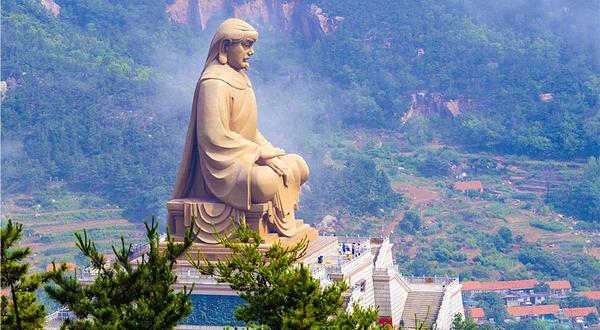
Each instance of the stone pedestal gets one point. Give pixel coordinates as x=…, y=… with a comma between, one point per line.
x=211, y=214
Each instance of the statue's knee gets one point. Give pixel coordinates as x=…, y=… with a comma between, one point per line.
x=264, y=184
x=302, y=166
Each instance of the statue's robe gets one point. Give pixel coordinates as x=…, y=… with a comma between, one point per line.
x=223, y=142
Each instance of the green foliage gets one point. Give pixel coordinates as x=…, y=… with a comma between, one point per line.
x=21, y=312
x=124, y=297
x=411, y=222
x=280, y=292
x=356, y=186
x=541, y=288
x=87, y=99
x=459, y=324
x=549, y=226
x=579, y=269
x=493, y=306
x=420, y=266
x=532, y=325
x=83, y=96
x=504, y=55
x=418, y=131
x=582, y=196
x=506, y=235
x=576, y=300
x=591, y=318
x=437, y=162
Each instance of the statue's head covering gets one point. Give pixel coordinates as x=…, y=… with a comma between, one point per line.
x=234, y=30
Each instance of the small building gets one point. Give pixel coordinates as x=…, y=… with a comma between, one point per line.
x=539, y=312
x=594, y=295
x=559, y=289
x=579, y=313
x=469, y=186
x=478, y=315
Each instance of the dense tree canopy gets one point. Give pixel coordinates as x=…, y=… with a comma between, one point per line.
x=20, y=310
x=124, y=297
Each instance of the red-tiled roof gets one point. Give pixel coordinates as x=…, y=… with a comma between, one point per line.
x=477, y=313
x=468, y=185
x=469, y=286
x=594, y=295
x=5, y=292
x=580, y=311
x=508, y=285
x=532, y=310
x=499, y=285
x=70, y=267
x=559, y=285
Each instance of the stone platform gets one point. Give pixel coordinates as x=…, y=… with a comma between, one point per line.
x=214, y=214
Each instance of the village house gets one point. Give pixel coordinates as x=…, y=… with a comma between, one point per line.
x=559, y=289
x=469, y=186
x=477, y=314
x=539, y=312
x=470, y=289
x=520, y=293
x=594, y=295
x=579, y=313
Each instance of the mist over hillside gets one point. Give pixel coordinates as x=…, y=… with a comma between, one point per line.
x=99, y=95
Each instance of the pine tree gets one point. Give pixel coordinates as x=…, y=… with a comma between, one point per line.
x=20, y=311
x=280, y=292
x=123, y=296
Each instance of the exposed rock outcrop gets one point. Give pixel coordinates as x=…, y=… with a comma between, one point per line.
x=3, y=90
x=435, y=105
x=290, y=16
x=51, y=6
x=546, y=97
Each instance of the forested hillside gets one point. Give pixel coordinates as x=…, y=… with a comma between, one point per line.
x=99, y=95
x=506, y=54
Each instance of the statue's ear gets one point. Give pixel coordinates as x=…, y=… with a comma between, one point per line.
x=223, y=49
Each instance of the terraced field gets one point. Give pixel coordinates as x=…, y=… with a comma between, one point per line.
x=51, y=216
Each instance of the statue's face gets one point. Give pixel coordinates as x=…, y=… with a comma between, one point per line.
x=238, y=54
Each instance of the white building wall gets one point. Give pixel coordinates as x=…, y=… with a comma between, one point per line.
x=357, y=272
x=451, y=306
x=383, y=297
x=399, y=292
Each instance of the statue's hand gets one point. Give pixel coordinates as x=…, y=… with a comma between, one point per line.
x=280, y=168
x=268, y=152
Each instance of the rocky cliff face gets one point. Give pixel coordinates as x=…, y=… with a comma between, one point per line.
x=289, y=16
x=51, y=6
x=435, y=105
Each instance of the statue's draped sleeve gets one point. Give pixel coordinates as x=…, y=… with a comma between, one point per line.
x=260, y=140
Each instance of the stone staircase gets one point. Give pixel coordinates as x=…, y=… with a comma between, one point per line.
x=417, y=303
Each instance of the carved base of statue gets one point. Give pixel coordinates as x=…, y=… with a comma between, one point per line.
x=209, y=214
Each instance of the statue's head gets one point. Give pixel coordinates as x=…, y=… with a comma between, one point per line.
x=233, y=44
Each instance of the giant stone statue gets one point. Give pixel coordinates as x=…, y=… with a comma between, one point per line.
x=228, y=168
